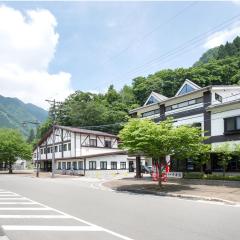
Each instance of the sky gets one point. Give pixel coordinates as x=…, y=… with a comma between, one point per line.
x=51, y=49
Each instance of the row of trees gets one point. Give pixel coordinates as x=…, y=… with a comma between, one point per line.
x=12, y=147
x=144, y=137
x=217, y=66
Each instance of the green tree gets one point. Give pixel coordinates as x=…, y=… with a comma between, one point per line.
x=202, y=155
x=12, y=147
x=31, y=136
x=142, y=136
x=225, y=153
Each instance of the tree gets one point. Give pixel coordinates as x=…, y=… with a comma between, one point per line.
x=143, y=136
x=225, y=153
x=12, y=147
x=31, y=136
x=202, y=155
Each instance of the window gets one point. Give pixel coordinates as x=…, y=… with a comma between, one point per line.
x=69, y=146
x=92, y=165
x=93, y=142
x=60, y=148
x=151, y=100
x=218, y=97
x=184, y=104
x=122, y=165
x=56, y=148
x=59, y=165
x=107, y=144
x=49, y=149
x=232, y=124
x=191, y=102
x=103, y=165
x=35, y=155
x=64, y=147
x=41, y=150
x=113, y=165
x=80, y=165
x=68, y=165
x=186, y=89
x=150, y=113
x=45, y=150
x=74, y=165
x=168, y=108
x=64, y=165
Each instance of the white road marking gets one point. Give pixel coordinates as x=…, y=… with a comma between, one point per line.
x=52, y=228
x=19, y=203
x=22, y=208
x=91, y=227
x=13, y=198
x=34, y=216
x=8, y=195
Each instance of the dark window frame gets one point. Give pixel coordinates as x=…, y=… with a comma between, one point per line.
x=92, y=165
x=235, y=130
x=114, y=165
x=107, y=143
x=93, y=142
x=103, y=165
x=123, y=165
x=189, y=103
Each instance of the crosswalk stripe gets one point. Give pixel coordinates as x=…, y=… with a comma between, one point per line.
x=13, y=198
x=8, y=195
x=8, y=192
x=35, y=216
x=22, y=208
x=19, y=203
x=51, y=228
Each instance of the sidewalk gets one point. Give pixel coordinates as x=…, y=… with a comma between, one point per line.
x=192, y=191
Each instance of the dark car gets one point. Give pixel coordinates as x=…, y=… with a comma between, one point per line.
x=146, y=169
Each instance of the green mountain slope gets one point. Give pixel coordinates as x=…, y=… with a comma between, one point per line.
x=13, y=112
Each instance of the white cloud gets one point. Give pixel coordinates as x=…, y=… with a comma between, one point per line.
x=27, y=45
x=223, y=36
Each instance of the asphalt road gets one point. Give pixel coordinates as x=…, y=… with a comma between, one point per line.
x=71, y=209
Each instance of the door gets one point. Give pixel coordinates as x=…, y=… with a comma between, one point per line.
x=131, y=166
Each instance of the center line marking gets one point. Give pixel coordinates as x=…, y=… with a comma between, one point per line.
x=51, y=228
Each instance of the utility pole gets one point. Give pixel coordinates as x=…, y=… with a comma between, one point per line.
x=38, y=155
x=53, y=105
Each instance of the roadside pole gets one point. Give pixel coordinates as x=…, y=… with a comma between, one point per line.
x=38, y=155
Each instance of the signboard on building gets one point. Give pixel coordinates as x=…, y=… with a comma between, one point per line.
x=175, y=175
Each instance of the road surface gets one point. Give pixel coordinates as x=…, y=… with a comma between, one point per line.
x=73, y=209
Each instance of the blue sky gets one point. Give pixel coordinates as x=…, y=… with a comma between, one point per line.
x=103, y=43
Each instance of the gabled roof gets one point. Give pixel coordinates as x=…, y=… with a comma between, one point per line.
x=187, y=86
x=75, y=130
x=154, y=98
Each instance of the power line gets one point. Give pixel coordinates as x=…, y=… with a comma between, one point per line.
x=147, y=34
x=194, y=42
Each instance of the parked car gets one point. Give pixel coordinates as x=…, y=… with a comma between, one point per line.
x=146, y=169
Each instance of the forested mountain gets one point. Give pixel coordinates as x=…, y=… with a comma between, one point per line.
x=13, y=112
x=220, y=65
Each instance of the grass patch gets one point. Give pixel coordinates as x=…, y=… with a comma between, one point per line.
x=197, y=175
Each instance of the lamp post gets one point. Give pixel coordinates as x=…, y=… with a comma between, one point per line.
x=37, y=124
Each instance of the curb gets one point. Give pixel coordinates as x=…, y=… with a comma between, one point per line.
x=3, y=235
x=183, y=196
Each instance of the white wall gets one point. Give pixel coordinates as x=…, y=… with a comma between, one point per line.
x=217, y=125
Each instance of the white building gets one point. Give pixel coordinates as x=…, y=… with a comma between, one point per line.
x=216, y=109
x=81, y=151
